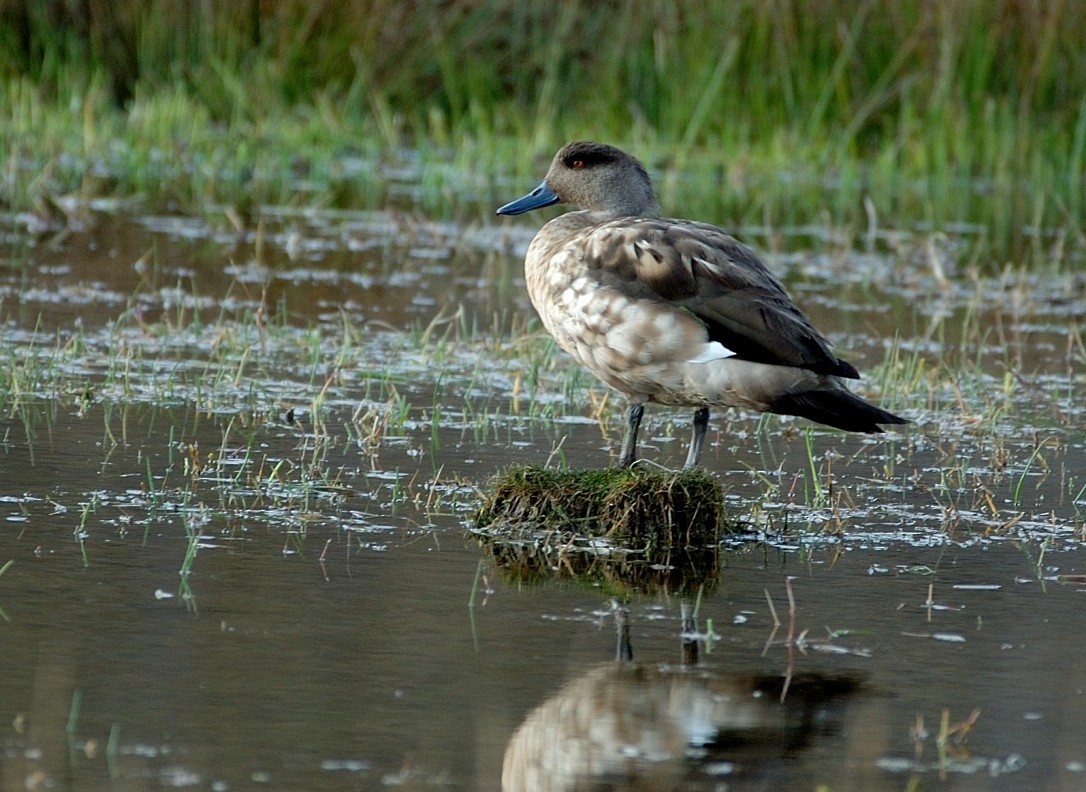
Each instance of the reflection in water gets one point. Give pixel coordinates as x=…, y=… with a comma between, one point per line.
x=630, y=726
x=553, y=554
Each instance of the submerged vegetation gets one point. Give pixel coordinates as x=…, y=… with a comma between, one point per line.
x=241, y=339
x=966, y=115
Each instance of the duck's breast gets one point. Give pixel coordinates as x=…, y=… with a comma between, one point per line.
x=636, y=344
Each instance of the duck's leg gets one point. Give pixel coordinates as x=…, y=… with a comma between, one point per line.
x=629, y=440
x=623, y=649
x=697, y=439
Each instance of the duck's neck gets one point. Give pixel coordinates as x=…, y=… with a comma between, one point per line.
x=639, y=206
x=638, y=203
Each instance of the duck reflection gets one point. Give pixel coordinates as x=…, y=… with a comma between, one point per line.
x=630, y=726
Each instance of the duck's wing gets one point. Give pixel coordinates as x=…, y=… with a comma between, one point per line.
x=704, y=271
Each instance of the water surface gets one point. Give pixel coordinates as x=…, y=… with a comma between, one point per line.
x=238, y=468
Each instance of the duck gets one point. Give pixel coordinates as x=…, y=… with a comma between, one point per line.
x=673, y=312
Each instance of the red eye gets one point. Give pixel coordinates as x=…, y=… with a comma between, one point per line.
x=578, y=164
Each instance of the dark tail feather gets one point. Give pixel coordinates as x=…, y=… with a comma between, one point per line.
x=838, y=408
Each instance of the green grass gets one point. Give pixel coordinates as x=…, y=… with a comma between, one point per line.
x=626, y=531
x=650, y=510
x=911, y=115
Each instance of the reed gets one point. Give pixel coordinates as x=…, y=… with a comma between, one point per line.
x=779, y=113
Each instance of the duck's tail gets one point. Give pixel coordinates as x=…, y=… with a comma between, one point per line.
x=786, y=390
x=837, y=407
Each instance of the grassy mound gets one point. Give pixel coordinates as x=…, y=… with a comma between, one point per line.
x=636, y=508
x=639, y=529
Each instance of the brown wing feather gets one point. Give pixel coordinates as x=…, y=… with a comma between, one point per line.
x=722, y=282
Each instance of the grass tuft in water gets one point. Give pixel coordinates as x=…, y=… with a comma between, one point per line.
x=634, y=506
x=662, y=526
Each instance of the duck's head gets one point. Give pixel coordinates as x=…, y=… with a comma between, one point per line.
x=592, y=176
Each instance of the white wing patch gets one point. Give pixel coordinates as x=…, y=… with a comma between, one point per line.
x=714, y=350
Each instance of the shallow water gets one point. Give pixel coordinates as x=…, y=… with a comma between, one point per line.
x=237, y=470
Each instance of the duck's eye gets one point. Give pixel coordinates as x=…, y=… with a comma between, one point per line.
x=577, y=164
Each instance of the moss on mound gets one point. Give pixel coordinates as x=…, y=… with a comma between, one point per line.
x=642, y=529
x=632, y=506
